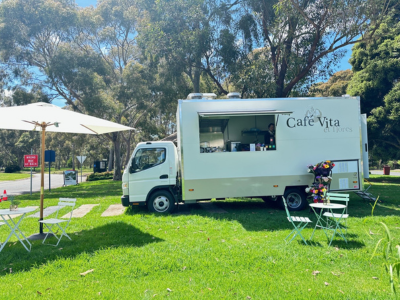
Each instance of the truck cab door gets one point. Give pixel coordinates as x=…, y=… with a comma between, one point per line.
x=149, y=168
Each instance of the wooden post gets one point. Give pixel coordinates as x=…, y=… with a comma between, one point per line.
x=43, y=125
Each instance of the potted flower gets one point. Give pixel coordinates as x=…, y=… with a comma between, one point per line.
x=322, y=180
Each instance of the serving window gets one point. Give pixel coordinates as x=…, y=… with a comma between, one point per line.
x=238, y=131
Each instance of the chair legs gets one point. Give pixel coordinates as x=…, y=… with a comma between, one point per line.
x=297, y=231
x=63, y=233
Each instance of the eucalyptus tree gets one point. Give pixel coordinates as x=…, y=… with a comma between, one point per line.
x=86, y=56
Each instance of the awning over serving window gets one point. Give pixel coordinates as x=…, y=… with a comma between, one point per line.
x=224, y=114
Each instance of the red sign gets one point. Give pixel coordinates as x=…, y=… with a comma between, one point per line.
x=31, y=161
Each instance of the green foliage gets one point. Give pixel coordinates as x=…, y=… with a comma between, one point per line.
x=392, y=262
x=69, y=163
x=376, y=65
x=336, y=86
x=100, y=176
x=12, y=169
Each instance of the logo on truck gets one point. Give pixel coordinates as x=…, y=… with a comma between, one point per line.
x=314, y=117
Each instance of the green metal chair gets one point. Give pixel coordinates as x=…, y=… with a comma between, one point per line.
x=300, y=221
x=335, y=197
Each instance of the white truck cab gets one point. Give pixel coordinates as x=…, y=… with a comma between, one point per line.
x=151, y=175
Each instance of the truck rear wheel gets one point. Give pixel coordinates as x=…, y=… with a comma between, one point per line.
x=296, y=199
x=161, y=202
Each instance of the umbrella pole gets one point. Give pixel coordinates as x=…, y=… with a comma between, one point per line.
x=42, y=179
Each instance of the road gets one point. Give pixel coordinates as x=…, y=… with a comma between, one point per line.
x=380, y=172
x=18, y=187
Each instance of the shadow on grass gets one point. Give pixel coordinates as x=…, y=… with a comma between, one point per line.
x=111, y=235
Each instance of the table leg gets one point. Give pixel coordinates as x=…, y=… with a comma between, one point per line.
x=16, y=228
x=14, y=231
x=337, y=226
x=319, y=218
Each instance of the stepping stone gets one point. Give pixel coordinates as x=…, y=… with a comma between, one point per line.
x=212, y=208
x=46, y=212
x=16, y=216
x=81, y=211
x=114, y=210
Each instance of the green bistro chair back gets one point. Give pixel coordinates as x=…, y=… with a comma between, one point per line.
x=340, y=199
x=299, y=223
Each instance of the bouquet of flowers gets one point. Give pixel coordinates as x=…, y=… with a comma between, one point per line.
x=321, y=169
x=322, y=180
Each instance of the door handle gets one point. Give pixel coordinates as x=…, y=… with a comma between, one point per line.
x=165, y=176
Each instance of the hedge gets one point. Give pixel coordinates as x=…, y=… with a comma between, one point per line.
x=100, y=176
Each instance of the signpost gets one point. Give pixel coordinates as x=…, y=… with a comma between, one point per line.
x=81, y=159
x=31, y=161
x=49, y=156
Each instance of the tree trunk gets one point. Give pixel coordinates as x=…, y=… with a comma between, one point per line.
x=110, y=160
x=117, y=156
x=196, y=76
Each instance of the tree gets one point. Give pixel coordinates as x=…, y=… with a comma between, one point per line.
x=86, y=56
x=384, y=125
x=376, y=65
x=304, y=39
x=336, y=85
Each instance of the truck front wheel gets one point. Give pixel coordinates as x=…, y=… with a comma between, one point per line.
x=161, y=202
x=296, y=199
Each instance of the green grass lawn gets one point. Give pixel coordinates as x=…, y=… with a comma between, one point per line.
x=238, y=255
x=13, y=176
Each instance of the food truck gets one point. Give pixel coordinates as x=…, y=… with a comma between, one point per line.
x=225, y=149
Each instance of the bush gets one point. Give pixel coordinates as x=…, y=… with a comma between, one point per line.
x=12, y=169
x=100, y=176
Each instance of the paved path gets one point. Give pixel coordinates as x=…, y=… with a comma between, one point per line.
x=18, y=187
x=81, y=211
x=114, y=210
x=380, y=172
x=46, y=212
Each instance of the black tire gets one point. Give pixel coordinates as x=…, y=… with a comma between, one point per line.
x=161, y=202
x=296, y=199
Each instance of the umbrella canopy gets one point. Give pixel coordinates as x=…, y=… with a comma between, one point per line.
x=25, y=117
x=48, y=117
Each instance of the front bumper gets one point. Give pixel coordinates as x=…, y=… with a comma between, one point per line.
x=125, y=200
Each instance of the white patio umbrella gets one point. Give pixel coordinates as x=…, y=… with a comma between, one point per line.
x=48, y=117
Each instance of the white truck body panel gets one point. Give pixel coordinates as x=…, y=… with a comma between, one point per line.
x=300, y=141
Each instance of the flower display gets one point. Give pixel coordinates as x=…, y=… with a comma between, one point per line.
x=322, y=179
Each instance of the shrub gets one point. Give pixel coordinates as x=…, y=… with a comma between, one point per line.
x=100, y=176
x=12, y=169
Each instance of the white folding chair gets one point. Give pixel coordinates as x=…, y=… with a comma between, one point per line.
x=302, y=223
x=335, y=197
x=50, y=223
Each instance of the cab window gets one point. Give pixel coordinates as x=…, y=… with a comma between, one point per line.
x=147, y=158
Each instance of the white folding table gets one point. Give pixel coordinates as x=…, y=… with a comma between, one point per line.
x=326, y=226
x=14, y=226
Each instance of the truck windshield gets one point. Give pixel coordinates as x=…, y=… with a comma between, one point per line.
x=146, y=158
